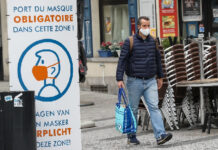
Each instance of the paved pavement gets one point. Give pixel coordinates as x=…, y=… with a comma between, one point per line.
x=104, y=136
x=4, y=86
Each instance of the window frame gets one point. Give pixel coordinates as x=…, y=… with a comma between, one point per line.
x=101, y=13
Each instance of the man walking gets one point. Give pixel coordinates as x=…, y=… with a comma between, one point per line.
x=141, y=62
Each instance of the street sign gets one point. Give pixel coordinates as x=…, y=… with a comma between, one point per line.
x=201, y=28
x=43, y=54
x=201, y=35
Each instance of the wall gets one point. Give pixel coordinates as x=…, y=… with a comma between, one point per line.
x=4, y=38
x=158, y=18
x=95, y=26
x=101, y=71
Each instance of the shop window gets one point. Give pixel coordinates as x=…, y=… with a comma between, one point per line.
x=214, y=11
x=114, y=20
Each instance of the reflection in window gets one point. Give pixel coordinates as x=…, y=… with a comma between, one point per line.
x=116, y=23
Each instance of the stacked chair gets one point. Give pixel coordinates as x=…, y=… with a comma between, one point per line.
x=192, y=64
x=143, y=114
x=162, y=91
x=192, y=61
x=210, y=96
x=181, y=63
x=175, y=72
x=209, y=62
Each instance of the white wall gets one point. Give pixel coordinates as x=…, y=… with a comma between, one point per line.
x=95, y=26
x=4, y=38
x=98, y=67
x=102, y=71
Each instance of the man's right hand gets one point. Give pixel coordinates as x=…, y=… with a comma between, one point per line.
x=120, y=84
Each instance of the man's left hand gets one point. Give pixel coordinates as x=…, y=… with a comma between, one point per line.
x=159, y=83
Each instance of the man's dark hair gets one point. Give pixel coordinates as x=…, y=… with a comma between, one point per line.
x=140, y=18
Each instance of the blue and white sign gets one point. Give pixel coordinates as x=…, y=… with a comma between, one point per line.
x=52, y=81
x=43, y=55
x=201, y=28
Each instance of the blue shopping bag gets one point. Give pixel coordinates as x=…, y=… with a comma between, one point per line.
x=125, y=121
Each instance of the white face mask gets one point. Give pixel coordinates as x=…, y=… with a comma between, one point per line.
x=145, y=32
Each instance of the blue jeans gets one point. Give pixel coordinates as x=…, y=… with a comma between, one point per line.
x=147, y=88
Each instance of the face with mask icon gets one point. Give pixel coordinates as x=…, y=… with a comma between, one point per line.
x=47, y=66
x=144, y=27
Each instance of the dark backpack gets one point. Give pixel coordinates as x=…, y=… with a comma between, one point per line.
x=82, y=63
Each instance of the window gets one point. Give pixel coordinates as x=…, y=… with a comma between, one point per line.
x=214, y=7
x=114, y=20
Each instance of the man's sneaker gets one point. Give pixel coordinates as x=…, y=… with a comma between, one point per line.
x=164, y=138
x=132, y=139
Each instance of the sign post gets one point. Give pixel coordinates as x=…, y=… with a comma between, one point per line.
x=43, y=55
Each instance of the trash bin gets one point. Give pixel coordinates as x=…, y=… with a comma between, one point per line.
x=17, y=121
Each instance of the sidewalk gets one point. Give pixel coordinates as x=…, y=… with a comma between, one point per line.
x=4, y=86
x=104, y=136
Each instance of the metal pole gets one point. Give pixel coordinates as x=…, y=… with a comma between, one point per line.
x=202, y=106
x=103, y=67
x=202, y=103
x=201, y=48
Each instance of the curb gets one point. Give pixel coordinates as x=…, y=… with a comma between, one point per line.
x=87, y=124
x=82, y=103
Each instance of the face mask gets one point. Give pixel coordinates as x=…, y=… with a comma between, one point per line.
x=41, y=72
x=145, y=32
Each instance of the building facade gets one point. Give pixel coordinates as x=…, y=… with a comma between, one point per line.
x=112, y=21
x=4, y=67
x=115, y=20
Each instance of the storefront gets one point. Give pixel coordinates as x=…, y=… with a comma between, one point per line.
x=111, y=21
x=210, y=17
x=115, y=20
x=198, y=18
x=169, y=18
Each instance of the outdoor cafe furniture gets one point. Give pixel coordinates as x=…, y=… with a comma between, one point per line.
x=183, y=66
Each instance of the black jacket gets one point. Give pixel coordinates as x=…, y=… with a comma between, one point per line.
x=143, y=61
